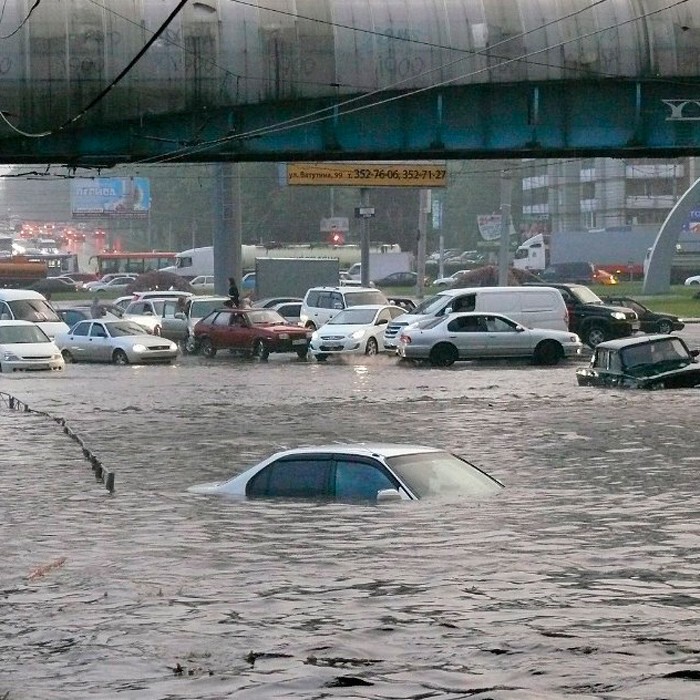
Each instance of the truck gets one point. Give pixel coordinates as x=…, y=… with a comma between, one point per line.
x=200, y=261
x=382, y=264
x=278, y=277
x=619, y=251
x=18, y=271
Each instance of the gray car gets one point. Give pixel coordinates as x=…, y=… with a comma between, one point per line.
x=120, y=342
x=444, y=340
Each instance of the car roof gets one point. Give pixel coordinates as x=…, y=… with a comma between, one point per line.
x=364, y=449
x=9, y=322
x=370, y=307
x=456, y=291
x=343, y=288
x=14, y=294
x=620, y=343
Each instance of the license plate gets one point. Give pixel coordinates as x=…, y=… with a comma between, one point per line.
x=301, y=341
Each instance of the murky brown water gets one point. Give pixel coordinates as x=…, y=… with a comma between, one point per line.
x=579, y=580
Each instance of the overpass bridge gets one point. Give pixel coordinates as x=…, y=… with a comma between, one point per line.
x=96, y=83
x=103, y=82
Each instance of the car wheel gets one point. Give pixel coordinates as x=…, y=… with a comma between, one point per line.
x=302, y=353
x=260, y=350
x=321, y=358
x=157, y=330
x=664, y=327
x=595, y=335
x=548, y=353
x=694, y=283
x=372, y=347
x=443, y=355
x=207, y=347
x=119, y=357
x=67, y=357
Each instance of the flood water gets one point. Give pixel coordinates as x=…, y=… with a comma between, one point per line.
x=579, y=580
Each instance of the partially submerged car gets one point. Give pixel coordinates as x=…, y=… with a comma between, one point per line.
x=358, y=473
x=647, y=362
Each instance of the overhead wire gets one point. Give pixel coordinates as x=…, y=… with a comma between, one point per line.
x=23, y=22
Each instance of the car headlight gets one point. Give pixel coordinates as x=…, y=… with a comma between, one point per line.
x=9, y=356
x=357, y=335
x=56, y=357
x=619, y=315
x=139, y=348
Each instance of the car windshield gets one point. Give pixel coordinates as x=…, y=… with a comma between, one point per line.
x=586, y=296
x=440, y=473
x=652, y=358
x=431, y=305
x=354, y=317
x=266, y=317
x=22, y=334
x=122, y=328
x=362, y=298
x=36, y=310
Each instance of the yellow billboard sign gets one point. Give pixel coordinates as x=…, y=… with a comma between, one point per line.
x=416, y=174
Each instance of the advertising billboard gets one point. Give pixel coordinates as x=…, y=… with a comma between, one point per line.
x=112, y=197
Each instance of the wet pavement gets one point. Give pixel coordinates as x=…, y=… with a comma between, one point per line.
x=579, y=580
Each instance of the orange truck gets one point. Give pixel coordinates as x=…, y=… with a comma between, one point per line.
x=17, y=271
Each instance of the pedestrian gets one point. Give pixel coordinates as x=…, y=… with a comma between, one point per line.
x=95, y=308
x=233, y=293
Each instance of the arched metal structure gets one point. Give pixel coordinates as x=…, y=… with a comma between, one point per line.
x=657, y=277
x=234, y=80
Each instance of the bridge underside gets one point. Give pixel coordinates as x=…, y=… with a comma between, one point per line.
x=615, y=117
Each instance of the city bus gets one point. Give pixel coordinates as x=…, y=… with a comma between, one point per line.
x=131, y=263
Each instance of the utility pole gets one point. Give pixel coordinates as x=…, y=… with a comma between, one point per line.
x=503, y=252
x=423, y=209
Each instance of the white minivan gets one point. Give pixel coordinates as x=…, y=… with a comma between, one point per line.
x=28, y=305
x=535, y=307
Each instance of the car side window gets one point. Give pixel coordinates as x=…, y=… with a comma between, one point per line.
x=312, y=299
x=323, y=301
x=601, y=359
x=222, y=319
x=464, y=303
x=82, y=328
x=466, y=324
x=396, y=311
x=494, y=324
x=98, y=331
x=169, y=309
x=138, y=308
x=384, y=316
x=360, y=481
x=337, y=301
x=298, y=477
x=5, y=313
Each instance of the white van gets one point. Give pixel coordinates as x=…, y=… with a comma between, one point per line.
x=535, y=307
x=28, y=305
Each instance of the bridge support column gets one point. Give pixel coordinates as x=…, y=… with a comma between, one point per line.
x=503, y=251
x=657, y=277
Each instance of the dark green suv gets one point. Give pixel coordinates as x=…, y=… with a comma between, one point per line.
x=591, y=318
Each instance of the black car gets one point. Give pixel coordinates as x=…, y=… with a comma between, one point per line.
x=397, y=279
x=649, y=321
x=53, y=285
x=643, y=362
x=592, y=319
x=70, y=315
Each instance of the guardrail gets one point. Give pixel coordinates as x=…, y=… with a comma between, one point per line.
x=101, y=473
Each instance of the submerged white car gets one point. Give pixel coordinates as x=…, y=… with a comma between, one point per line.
x=444, y=340
x=358, y=473
x=355, y=330
x=24, y=346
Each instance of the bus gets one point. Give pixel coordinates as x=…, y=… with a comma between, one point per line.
x=56, y=263
x=131, y=263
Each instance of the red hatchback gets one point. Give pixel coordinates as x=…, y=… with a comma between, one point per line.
x=256, y=332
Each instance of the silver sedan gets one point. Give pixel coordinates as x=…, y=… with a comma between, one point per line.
x=120, y=342
x=473, y=335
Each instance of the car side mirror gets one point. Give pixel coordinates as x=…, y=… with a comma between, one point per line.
x=388, y=496
x=382, y=322
x=448, y=310
x=694, y=353
x=519, y=329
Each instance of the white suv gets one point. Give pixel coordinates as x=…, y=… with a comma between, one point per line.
x=322, y=303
